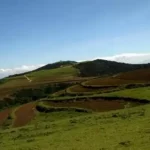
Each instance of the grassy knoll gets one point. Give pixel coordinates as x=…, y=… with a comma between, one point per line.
x=139, y=93
x=62, y=72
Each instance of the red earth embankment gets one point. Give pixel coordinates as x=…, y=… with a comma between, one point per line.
x=4, y=115
x=24, y=114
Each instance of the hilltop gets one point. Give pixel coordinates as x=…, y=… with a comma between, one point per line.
x=104, y=67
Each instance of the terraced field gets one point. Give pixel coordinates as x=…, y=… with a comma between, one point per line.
x=38, y=78
x=121, y=129
x=80, y=89
x=96, y=105
x=132, y=77
x=137, y=75
x=59, y=93
x=24, y=114
x=110, y=81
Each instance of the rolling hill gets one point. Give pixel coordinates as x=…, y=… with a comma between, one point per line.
x=48, y=67
x=103, y=67
x=66, y=105
x=92, y=68
x=70, y=71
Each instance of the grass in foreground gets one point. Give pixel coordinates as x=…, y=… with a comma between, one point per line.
x=122, y=129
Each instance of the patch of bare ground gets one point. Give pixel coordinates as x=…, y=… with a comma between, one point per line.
x=24, y=114
x=4, y=115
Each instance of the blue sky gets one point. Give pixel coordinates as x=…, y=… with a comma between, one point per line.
x=45, y=31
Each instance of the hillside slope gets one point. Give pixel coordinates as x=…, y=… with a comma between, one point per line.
x=103, y=67
x=92, y=68
x=69, y=71
x=48, y=67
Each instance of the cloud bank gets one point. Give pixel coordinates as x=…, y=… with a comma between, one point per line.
x=22, y=69
x=132, y=58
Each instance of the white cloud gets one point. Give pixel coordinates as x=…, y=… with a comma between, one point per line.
x=25, y=68
x=133, y=58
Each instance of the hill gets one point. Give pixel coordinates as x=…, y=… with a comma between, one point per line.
x=48, y=67
x=103, y=67
x=56, y=65
x=92, y=68
x=39, y=78
x=71, y=71
x=131, y=77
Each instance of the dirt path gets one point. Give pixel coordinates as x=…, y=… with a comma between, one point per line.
x=3, y=115
x=24, y=114
x=28, y=78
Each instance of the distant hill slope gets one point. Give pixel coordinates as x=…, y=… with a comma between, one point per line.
x=92, y=68
x=103, y=67
x=56, y=65
x=64, y=72
x=70, y=71
x=48, y=67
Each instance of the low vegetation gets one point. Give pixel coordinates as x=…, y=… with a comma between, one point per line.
x=54, y=74
x=139, y=93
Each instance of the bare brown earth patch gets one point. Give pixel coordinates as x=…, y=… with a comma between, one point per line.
x=4, y=115
x=98, y=105
x=24, y=114
x=136, y=75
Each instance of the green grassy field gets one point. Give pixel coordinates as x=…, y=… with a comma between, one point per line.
x=63, y=72
x=139, y=93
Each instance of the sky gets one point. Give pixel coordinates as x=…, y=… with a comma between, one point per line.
x=37, y=32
